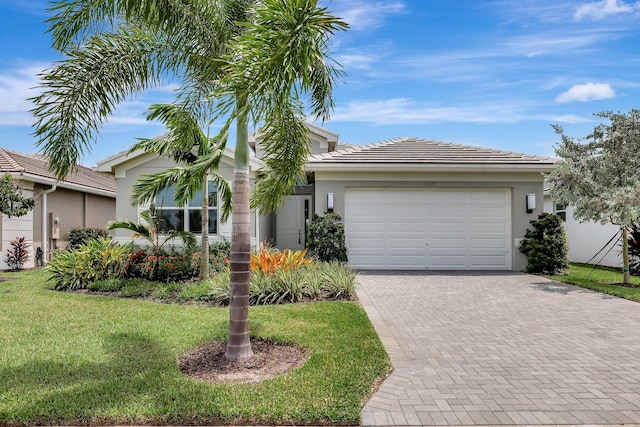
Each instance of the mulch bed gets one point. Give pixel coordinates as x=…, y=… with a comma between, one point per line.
x=208, y=363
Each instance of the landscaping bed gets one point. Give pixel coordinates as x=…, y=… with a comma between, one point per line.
x=79, y=359
x=601, y=279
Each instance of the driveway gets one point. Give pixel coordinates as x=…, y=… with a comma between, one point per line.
x=492, y=348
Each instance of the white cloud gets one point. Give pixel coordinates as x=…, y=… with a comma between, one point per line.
x=601, y=9
x=586, y=92
x=16, y=86
x=398, y=111
x=365, y=15
x=356, y=61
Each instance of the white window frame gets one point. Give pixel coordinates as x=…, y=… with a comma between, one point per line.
x=560, y=209
x=186, y=209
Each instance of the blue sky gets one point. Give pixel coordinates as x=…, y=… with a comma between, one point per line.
x=487, y=73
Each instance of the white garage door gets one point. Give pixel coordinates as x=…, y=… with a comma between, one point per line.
x=436, y=229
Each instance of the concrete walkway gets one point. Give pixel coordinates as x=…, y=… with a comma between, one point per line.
x=501, y=349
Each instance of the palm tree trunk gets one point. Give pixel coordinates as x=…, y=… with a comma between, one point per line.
x=204, y=248
x=239, y=345
x=625, y=256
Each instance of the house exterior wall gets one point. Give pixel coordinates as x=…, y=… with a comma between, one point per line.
x=586, y=239
x=520, y=184
x=126, y=178
x=12, y=228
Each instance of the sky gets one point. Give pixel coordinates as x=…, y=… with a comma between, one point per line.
x=488, y=73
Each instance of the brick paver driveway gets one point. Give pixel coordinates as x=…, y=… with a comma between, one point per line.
x=491, y=348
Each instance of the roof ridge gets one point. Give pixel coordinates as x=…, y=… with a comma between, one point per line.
x=13, y=163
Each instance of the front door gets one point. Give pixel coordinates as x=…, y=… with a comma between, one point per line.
x=291, y=222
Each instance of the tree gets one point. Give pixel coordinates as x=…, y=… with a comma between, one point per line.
x=12, y=203
x=245, y=60
x=153, y=231
x=198, y=157
x=600, y=177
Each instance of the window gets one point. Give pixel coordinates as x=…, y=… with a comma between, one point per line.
x=560, y=209
x=189, y=217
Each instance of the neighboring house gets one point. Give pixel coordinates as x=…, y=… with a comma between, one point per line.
x=84, y=198
x=588, y=241
x=406, y=203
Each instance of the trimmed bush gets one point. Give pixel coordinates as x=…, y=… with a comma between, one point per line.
x=100, y=259
x=81, y=235
x=546, y=245
x=326, y=241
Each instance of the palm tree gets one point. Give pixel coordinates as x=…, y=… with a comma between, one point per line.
x=197, y=155
x=245, y=60
x=153, y=231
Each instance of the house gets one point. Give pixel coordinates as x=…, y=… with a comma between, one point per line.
x=406, y=203
x=589, y=242
x=84, y=198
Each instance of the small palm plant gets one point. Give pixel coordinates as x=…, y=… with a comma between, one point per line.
x=153, y=231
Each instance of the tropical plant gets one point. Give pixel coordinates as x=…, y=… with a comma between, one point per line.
x=80, y=235
x=18, y=254
x=633, y=242
x=12, y=203
x=601, y=178
x=247, y=60
x=153, y=231
x=546, y=245
x=98, y=259
x=268, y=261
x=198, y=157
x=326, y=240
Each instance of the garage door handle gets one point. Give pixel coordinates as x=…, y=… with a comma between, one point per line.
x=299, y=237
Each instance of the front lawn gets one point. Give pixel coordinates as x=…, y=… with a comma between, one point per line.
x=600, y=279
x=68, y=358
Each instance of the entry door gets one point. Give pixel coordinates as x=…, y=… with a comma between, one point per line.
x=291, y=222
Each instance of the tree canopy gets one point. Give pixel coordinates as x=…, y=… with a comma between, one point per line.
x=12, y=202
x=599, y=175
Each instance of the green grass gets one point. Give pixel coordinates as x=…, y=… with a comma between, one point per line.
x=600, y=279
x=69, y=358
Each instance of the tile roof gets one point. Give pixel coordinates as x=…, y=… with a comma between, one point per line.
x=410, y=150
x=37, y=165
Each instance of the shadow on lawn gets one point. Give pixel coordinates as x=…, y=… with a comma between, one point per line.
x=78, y=391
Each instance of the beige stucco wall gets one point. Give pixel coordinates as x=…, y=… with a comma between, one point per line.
x=75, y=209
x=12, y=228
x=520, y=184
x=126, y=176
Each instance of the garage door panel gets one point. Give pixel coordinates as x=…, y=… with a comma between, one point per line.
x=488, y=243
x=492, y=227
x=488, y=262
x=488, y=211
x=448, y=229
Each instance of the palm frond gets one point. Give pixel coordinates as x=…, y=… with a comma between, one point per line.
x=139, y=230
x=80, y=92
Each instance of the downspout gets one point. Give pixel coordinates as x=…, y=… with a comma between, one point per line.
x=45, y=215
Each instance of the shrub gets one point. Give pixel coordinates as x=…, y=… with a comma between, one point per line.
x=80, y=235
x=100, y=259
x=545, y=245
x=18, y=254
x=269, y=261
x=633, y=238
x=310, y=282
x=326, y=241
x=219, y=254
